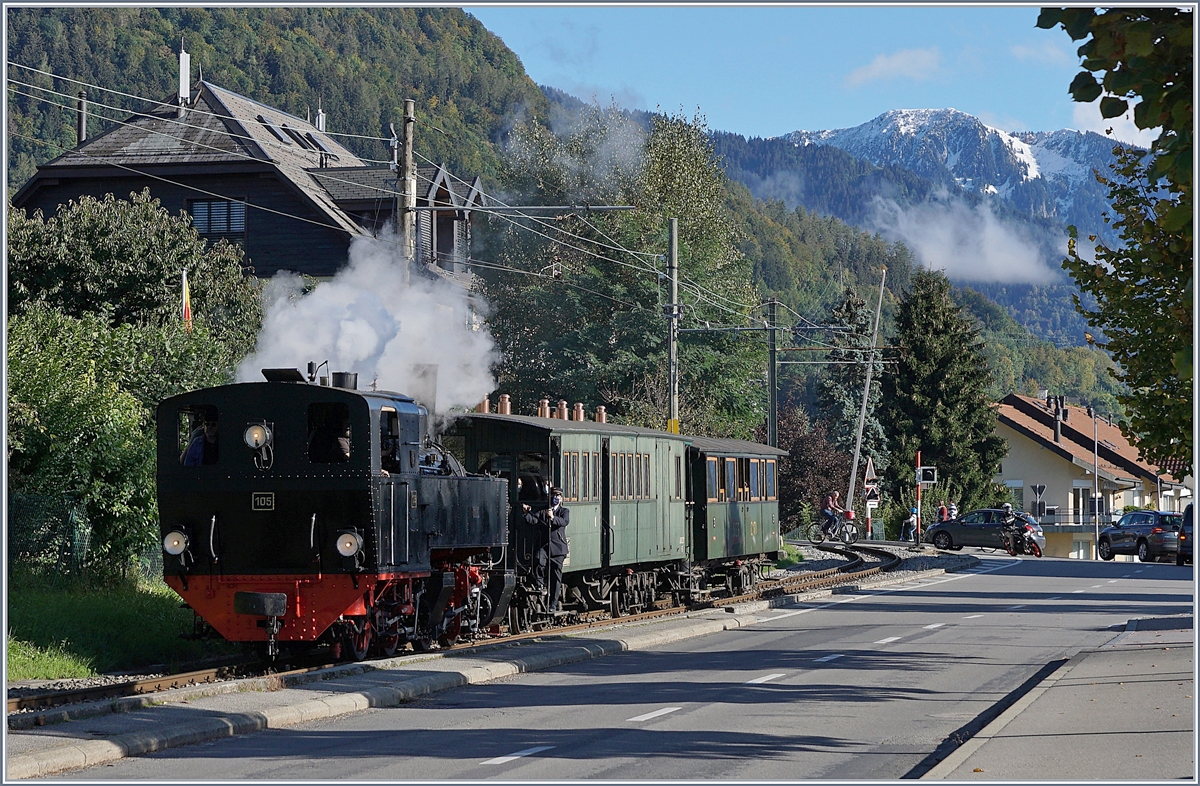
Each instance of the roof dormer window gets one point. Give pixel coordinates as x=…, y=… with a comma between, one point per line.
x=274, y=129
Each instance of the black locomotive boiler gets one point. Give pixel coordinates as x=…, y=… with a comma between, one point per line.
x=296, y=513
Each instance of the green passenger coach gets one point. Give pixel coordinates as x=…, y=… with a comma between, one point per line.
x=642, y=525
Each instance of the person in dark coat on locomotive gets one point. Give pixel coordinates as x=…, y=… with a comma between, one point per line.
x=549, y=558
x=202, y=444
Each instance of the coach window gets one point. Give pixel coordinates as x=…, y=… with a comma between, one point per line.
x=679, y=477
x=585, y=477
x=771, y=479
x=575, y=494
x=389, y=441
x=198, y=438
x=646, y=477
x=754, y=480
x=329, y=433
x=710, y=466
x=730, y=480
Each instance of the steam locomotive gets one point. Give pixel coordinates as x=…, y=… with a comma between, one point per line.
x=294, y=513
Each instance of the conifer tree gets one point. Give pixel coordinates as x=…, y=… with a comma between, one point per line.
x=839, y=395
x=935, y=401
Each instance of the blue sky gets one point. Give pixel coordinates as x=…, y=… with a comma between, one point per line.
x=766, y=71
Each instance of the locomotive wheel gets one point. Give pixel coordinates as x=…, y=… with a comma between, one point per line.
x=388, y=644
x=422, y=644
x=358, y=641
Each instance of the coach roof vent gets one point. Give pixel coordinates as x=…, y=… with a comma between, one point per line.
x=283, y=375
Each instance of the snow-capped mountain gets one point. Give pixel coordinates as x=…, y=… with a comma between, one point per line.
x=1046, y=174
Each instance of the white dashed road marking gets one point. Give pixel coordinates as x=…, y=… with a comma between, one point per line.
x=518, y=754
x=1076, y=592
x=1019, y=606
x=827, y=658
x=973, y=617
x=934, y=625
x=1114, y=581
x=654, y=714
x=888, y=640
x=761, y=680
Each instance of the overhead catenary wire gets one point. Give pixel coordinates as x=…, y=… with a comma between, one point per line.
x=695, y=290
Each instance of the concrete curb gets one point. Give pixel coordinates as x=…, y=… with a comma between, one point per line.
x=88, y=753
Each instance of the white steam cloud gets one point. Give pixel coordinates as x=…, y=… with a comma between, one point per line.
x=969, y=243
x=374, y=319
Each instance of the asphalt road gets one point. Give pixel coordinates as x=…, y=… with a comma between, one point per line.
x=851, y=687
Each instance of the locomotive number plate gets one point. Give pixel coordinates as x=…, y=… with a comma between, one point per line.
x=262, y=500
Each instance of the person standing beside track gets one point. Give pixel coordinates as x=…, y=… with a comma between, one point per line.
x=549, y=558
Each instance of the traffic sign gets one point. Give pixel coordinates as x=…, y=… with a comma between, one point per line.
x=927, y=476
x=1038, y=490
x=869, y=478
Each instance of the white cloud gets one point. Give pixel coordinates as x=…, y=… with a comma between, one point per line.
x=1044, y=52
x=1087, y=118
x=906, y=64
x=968, y=243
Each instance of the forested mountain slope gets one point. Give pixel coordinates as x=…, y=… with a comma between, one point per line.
x=357, y=64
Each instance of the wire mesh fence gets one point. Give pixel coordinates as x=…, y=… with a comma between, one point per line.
x=48, y=535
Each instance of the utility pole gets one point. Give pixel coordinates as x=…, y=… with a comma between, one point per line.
x=772, y=386
x=862, y=413
x=406, y=220
x=673, y=329
x=1095, y=477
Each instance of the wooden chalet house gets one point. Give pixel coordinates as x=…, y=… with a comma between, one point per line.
x=279, y=186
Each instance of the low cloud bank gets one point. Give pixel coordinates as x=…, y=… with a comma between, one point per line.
x=968, y=242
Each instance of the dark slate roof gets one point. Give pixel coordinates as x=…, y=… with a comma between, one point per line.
x=202, y=136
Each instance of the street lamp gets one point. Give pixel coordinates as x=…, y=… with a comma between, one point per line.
x=1095, y=477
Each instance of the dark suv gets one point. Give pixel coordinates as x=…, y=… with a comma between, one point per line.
x=1150, y=534
x=1184, y=552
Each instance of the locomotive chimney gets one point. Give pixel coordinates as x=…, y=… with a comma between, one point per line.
x=543, y=408
x=601, y=414
x=562, y=410
x=505, y=407
x=578, y=415
x=347, y=380
x=485, y=406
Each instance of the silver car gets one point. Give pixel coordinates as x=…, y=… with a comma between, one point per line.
x=979, y=528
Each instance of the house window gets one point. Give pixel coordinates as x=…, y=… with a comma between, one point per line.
x=219, y=218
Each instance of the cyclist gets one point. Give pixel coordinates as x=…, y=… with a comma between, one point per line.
x=830, y=510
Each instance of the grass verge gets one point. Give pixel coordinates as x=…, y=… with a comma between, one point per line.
x=793, y=556
x=54, y=633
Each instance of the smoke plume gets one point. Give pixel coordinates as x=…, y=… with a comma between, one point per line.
x=376, y=319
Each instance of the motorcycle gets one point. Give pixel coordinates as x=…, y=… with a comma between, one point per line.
x=1018, y=539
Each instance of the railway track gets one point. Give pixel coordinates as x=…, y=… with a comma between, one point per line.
x=854, y=569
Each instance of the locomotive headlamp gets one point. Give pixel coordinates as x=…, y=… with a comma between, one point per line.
x=349, y=543
x=257, y=435
x=175, y=543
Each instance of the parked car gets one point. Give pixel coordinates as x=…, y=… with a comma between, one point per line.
x=978, y=528
x=1183, y=554
x=1150, y=534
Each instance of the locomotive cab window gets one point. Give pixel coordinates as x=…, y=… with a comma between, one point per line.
x=329, y=433
x=199, y=441
x=389, y=441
